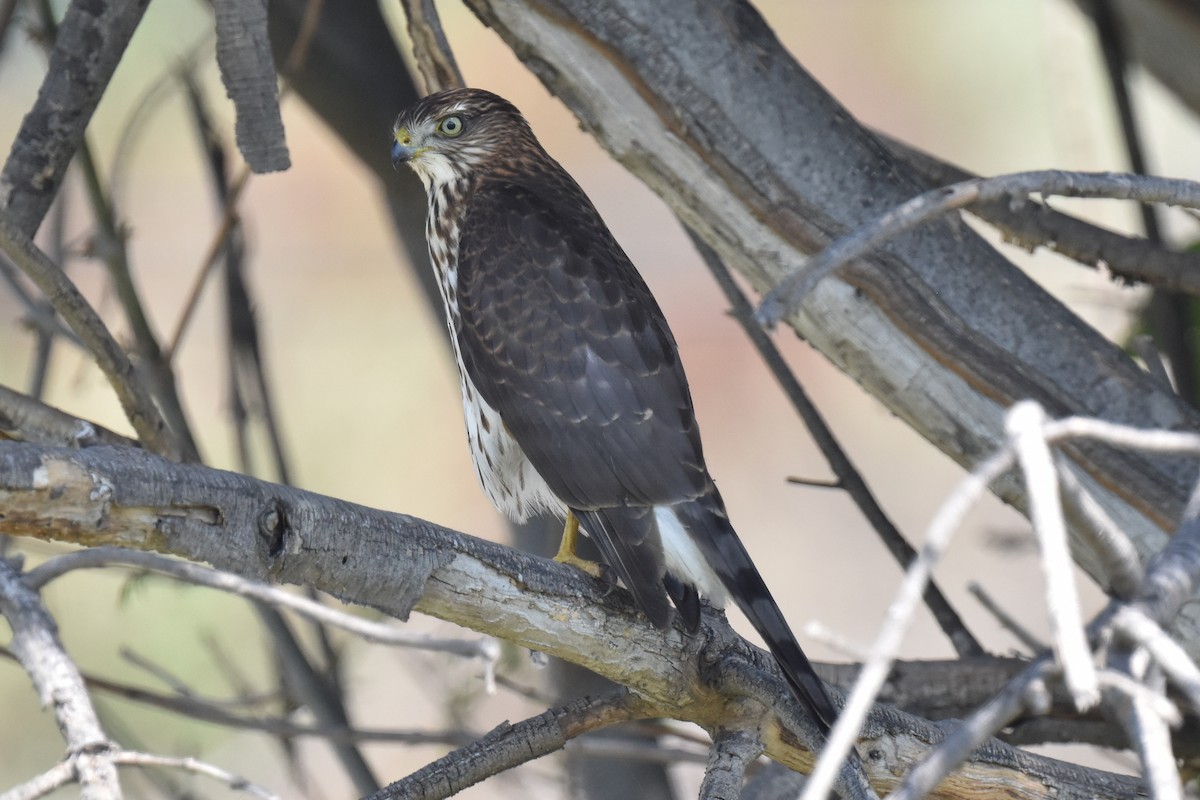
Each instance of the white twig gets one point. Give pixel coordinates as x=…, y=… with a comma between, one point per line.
x=1113, y=549
x=1139, y=712
x=485, y=648
x=899, y=615
x=1024, y=426
x=785, y=297
x=58, y=682
x=1151, y=701
x=56, y=777
x=1151, y=439
x=819, y=632
x=66, y=771
x=237, y=783
x=1141, y=631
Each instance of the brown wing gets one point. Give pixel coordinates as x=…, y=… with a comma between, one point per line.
x=560, y=335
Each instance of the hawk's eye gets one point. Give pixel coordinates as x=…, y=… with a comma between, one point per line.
x=450, y=126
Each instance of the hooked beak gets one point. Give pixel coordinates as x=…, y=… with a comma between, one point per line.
x=403, y=148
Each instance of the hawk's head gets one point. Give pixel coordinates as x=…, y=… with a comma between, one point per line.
x=449, y=135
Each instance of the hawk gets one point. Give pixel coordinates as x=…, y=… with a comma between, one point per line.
x=575, y=398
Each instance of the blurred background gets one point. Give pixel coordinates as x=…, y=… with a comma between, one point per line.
x=368, y=400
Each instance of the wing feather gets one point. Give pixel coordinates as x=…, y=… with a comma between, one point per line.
x=561, y=336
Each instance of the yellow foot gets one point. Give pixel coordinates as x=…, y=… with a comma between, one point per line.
x=566, y=551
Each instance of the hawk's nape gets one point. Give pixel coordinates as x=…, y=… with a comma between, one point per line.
x=574, y=395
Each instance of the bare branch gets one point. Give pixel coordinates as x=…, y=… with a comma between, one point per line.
x=509, y=746
x=236, y=783
x=485, y=649
x=28, y=420
x=733, y=749
x=436, y=67
x=848, y=476
x=1030, y=224
x=74, y=308
x=102, y=495
x=1146, y=727
x=1005, y=619
x=58, y=683
x=65, y=772
x=875, y=670
x=91, y=40
x=1117, y=556
x=248, y=72
x=1024, y=424
x=784, y=298
x=214, y=711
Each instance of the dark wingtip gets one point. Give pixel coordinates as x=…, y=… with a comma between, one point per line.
x=686, y=600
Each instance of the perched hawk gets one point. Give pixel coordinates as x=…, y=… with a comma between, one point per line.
x=575, y=399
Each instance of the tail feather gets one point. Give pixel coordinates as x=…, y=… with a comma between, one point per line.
x=709, y=526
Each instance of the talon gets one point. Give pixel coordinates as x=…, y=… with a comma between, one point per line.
x=566, y=553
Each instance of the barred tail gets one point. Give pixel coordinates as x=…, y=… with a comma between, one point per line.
x=708, y=525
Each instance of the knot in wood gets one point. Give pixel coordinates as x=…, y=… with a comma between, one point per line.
x=273, y=528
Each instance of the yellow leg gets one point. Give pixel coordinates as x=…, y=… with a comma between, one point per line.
x=566, y=550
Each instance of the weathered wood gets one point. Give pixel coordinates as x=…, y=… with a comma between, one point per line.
x=397, y=563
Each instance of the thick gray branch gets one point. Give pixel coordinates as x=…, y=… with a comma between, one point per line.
x=248, y=71
x=124, y=496
x=91, y=39
x=733, y=749
x=58, y=683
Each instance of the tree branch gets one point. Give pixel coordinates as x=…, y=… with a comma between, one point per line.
x=784, y=299
x=732, y=751
x=509, y=746
x=59, y=685
x=137, y=403
x=91, y=40
x=395, y=563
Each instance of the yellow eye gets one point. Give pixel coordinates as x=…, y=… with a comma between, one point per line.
x=450, y=126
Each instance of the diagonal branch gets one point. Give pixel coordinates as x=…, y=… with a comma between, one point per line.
x=58, y=683
x=86, y=323
x=509, y=746
x=848, y=477
x=90, y=42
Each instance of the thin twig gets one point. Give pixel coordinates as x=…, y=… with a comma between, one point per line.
x=129, y=758
x=848, y=476
x=1171, y=580
x=1145, y=727
x=36, y=645
x=879, y=661
x=115, y=255
x=791, y=291
x=1138, y=630
x=1024, y=424
x=213, y=711
x=1115, y=551
x=484, y=648
x=1029, y=224
x=1006, y=620
x=29, y=420
x=139, y=406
